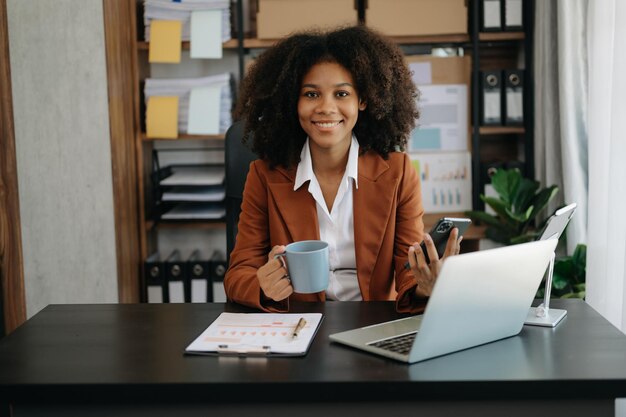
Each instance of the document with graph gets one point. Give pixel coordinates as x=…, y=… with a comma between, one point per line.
x=446, y=180
x=268, y=334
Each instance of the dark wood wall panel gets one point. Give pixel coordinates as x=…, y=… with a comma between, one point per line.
x=11, y=268
x=121, y=67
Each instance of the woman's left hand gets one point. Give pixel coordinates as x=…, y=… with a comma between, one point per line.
x=426, y=273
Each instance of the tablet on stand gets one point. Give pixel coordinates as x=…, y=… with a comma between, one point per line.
x=543, y=315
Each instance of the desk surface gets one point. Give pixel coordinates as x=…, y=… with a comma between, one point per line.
x=135, y=353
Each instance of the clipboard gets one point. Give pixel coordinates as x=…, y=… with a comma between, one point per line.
x=254, y=334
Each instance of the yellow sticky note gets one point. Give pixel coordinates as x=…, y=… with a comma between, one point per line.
x=162, y=117
x=165, y=41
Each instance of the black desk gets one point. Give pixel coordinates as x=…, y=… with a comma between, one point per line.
x=128, y=360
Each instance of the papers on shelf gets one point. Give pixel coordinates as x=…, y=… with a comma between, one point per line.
x=195, y=175
x=182, y=11
x=446, y=180
x=202, y=193
x=204, y=105
x=191, y=211
x=257, y=333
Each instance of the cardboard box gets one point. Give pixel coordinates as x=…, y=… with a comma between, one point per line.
x=417, y=17
x=279, y=18
x=446, y=70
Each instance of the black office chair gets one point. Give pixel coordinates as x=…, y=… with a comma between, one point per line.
x=238, y=158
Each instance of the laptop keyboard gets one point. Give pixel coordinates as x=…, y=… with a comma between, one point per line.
x=399, y=344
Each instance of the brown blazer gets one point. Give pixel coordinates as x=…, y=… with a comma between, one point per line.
x=387, y=220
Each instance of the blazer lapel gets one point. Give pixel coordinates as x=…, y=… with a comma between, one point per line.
x=296, y=208
x=373, y=202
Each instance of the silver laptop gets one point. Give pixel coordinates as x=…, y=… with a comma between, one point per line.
x=479, y=297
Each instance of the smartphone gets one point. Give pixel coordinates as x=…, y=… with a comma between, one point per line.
x=440, y=233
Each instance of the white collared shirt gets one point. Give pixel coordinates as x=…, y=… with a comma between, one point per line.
x=336, y=227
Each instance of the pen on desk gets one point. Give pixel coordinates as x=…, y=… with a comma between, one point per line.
x=299, y=326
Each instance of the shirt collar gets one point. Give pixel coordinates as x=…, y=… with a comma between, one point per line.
x=305, y=173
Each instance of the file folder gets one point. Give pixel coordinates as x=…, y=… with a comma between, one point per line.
x=175, y=275
x=491, y=98
x=218, y=266
x=487, y=170
x=513, y=15
x=491, y=16
x=514, y=97
x=154, y=277
x=200, y=287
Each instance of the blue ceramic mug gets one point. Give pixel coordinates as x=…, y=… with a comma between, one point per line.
x=307, y=265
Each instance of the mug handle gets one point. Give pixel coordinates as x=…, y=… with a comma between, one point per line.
x=282, y=256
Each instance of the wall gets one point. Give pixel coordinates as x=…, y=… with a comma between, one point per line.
x=58, y=72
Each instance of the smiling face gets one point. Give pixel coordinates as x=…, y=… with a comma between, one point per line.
x=328, y=106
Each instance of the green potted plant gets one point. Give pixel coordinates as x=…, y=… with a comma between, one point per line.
x=518, y=202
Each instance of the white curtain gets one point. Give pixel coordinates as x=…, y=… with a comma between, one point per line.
x=606, y=252
x=561, y=107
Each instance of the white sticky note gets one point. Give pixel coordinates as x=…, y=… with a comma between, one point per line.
x=204, y=111
x=206, y=34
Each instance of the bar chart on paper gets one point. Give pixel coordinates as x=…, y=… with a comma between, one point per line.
x=245, y=332
x=446, y=180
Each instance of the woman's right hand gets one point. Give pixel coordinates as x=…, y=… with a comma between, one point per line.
x=273, y=277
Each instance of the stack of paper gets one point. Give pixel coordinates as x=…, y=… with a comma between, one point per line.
x=188, y=211
x=195, y=176
x=197, y=191
x=183, y=10
x=209, y=193
x=194, y=192
x=204, y=104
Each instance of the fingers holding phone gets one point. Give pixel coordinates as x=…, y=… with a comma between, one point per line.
x=453, y=246
x=445, y=242
x=426, y=259
x=425, y=273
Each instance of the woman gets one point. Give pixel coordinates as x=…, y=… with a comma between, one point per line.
x=330, y=114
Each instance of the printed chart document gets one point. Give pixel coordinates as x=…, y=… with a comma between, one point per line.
x=446, y=180
x=443, y=119
x=257, y=334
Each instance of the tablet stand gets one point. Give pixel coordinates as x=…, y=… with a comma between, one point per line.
x=543, y=315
